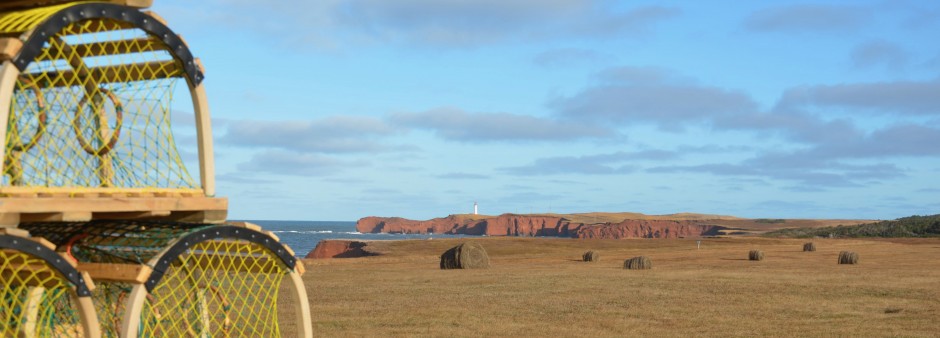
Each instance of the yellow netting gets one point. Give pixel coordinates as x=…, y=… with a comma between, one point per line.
x=93, y=110
x=218, y=288
x=35, y=300
x=221, y=287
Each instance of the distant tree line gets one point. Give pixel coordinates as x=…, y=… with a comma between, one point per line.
x=769, y=220
x=913, y=226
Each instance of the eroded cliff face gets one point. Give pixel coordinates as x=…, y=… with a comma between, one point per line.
x=329, y=248
x=397, y=225
x=648, y=229
x=516, y=225
x=523, y=225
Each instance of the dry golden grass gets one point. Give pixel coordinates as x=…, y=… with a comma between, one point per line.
x=540, y=287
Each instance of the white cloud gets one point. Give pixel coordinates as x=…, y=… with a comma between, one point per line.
x=458, y=125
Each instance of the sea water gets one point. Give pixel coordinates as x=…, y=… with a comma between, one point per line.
x=303, y=236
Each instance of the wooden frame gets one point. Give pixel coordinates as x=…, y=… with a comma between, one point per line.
x=17, y=204
x=83, y=304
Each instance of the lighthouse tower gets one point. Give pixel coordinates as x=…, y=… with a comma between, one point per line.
x=475, y=208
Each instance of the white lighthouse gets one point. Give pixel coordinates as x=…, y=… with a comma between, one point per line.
x=475, y=208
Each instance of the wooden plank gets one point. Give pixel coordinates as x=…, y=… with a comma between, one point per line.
x=133, y=307
x=157, y=17
x=9, y=48
x=119, y=47
x=88, y=281
x=69, y=259
x=112, y=74
x=289, y=250
x=272, y=235
x=14, y=232
x=204, y=216
x=301, y=305
x=8, y=75
x=9, y=220
x=67, y=216
x=112, y=204
x=88, y=317
x=299, y=267
x=44, y=242
x=129, y=273
x=33, y=302
x=132, y=215
x=246, y=225
x=203, y=137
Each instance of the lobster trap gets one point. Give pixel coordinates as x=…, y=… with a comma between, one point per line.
x=92, y=170
x=43, y=294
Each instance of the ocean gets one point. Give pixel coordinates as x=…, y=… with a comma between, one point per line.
x=303, y=236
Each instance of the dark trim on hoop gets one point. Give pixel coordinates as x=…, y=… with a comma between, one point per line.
x=56, y=22
x=211, y=233
x=51, y=257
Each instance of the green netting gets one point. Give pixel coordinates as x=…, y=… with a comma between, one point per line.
x=112, y=241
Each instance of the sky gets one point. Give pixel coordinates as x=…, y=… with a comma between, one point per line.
x=341, y=109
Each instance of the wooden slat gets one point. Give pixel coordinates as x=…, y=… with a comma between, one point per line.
x=44, y=242
x=68, y=216
x=299, y=267
x=112, y=74
x=246, y=225
x=110, y=204
x=9, y=47
x=14, y=232
x=272, y=235
x=118, y=47
x=129, y=273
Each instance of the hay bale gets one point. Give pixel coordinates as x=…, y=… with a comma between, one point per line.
x=638, y=263
x=848, y=257
x=465, y=256
x=755, y=255
x=591, y=256
x=809, y=247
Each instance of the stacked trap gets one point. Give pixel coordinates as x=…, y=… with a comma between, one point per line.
x=103, y=230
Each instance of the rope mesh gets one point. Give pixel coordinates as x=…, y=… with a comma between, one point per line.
x=35, y=300
x=219, y=287
x=93, y=110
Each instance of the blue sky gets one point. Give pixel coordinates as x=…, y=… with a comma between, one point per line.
x=341, y=109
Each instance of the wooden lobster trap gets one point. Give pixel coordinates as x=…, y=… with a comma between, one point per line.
x=91, y=168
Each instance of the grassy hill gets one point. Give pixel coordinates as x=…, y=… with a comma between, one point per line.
x=913, y=226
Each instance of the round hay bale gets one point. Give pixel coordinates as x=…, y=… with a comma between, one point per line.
x=638, y=263
x=809, y=247
x=465, y=256
x=591, y=256
x=848, y=257
x=755, y=255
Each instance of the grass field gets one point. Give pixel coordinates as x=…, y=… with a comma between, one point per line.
x=539, y=287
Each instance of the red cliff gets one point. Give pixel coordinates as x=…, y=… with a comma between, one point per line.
x=516, y=225
x=340, y=249
x=648, y=229
x=523, y=225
